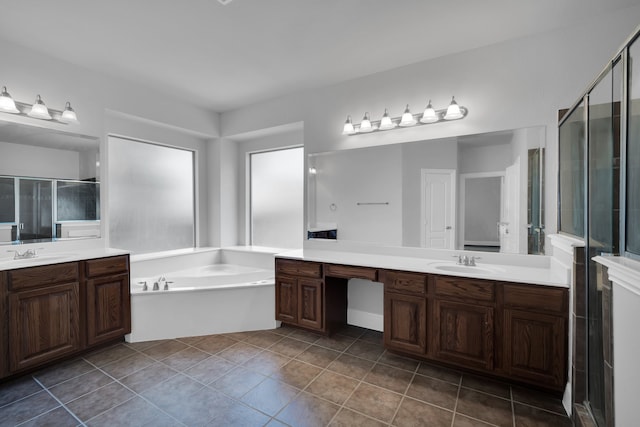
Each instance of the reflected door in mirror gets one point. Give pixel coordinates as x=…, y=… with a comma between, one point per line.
x=35, y=206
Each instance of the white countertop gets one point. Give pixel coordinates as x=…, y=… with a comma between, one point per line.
x=45, y=257
x=510, y=273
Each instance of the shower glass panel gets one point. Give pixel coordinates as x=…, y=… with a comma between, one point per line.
x=572, y=177
x=632, y=215
x=7, y=200
x=603, y=158
x=77, y=201
x=35, y=198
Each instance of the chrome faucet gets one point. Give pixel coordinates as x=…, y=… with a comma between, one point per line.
x=469, y=261
x=28, y=254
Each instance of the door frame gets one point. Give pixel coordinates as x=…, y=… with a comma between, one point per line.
x=452, y=204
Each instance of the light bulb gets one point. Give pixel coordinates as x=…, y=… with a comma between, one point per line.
x=348, y=127
x=7, y=103
x=39, y=110
x=453, y=111
x=407, y=118
x=386, y=122
x=429, y=115
x=365, y=124
x=68, y=115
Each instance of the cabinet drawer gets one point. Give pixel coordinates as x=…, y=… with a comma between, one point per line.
x=111, y=265
x=414, y=283
x=299, y=268
x=539, y=298
x=45, y=275
x=351, y=272
x=477, y=290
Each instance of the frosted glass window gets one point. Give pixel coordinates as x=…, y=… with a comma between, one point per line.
x=151, y=196
x=277, y=198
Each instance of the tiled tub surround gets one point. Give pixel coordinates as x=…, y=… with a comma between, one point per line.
x=622, y=346
x=278, y=377
x=214, y=291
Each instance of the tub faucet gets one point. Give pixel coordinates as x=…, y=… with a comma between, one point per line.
x=144, y=286
x=156, y=287
x=166, y=285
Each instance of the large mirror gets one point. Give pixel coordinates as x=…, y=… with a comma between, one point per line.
x=475, y=192
x=49, y=184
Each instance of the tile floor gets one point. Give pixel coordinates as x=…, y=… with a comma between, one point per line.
x=276, y=378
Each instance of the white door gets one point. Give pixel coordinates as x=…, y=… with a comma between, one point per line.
x=438, y=213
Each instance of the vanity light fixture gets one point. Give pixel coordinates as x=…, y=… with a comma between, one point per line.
x=7, y=104
x=428, y=116
x=386, y=123
x=453, y=111
x=38, y=110
x=407, y=118
x=365, y=124
x=348, y=127
x=69, y=114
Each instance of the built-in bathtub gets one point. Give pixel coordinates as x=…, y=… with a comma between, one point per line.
x=210, y=291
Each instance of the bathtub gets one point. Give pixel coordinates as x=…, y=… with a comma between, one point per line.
x=210, y=291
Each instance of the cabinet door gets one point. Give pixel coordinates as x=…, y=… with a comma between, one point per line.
x=405, y=321
x=286, y=299
x=108, y=308
x=464, y=334
x=44, y=324
x=534, y=347
x=310, y=303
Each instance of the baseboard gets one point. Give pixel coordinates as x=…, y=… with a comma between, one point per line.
x=365, y=319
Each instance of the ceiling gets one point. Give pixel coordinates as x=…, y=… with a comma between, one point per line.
x=223, y=57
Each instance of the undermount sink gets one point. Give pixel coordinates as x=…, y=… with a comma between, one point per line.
x=468, y=269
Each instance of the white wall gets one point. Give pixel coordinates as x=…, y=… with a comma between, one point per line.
x=515, y=84
x=108, y=105
x=358, y=183
x=510, y=85
x=41, y=162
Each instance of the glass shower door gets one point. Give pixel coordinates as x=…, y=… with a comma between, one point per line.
x=603, y=221
x=35, y=199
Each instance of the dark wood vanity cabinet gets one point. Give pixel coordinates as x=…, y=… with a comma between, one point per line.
x=313, y=295
x=463, y=321
x=108, y=299
x=55, y=311
x=300, y=294
x=507, y=330
x=535, y=334
x=405, y=311
x=43, y=314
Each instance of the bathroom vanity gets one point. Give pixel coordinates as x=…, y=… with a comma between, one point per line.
x=439, y=311
x=55, y=307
